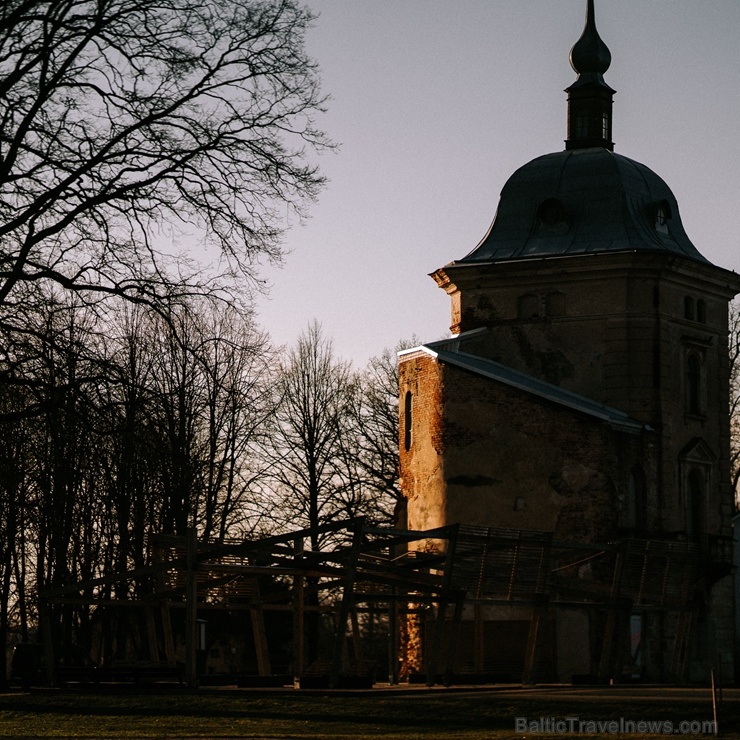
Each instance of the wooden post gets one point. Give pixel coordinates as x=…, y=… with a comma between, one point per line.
x=681, y=645
x=431, y=655
x=45, y=618
x=606, y=665
x=479, y=641
x=393, y=638
x=539, y=611
x=453, y=636
x=714, y=704
x=344, y=607
x=191, y=611
x=169, y=640
x=151, y=631
x=356, y=634
x=298, y=628
x=164, y=610
x=258, y=631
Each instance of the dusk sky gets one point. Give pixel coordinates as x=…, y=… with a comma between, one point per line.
x=435, y=103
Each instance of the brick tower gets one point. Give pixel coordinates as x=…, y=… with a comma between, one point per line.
x=584, y=390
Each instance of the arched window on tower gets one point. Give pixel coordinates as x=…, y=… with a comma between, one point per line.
x=701, y=311
x=693, y=384
x=407, y=420
x=529, y=306
x=695, y=525
x=637, y=505
x=555, y=303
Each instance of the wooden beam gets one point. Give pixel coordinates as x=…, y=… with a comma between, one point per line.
x=191, y=612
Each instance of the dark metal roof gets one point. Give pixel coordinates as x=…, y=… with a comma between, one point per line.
x=584, y=201
x=446, y=351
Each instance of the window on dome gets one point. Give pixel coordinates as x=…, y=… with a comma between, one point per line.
x=605, y=126
x=662, y=216
x=552, y=218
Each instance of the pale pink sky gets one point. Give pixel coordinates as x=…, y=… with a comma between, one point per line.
x=436, y=102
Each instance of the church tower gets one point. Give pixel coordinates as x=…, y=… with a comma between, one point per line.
x=584, y=390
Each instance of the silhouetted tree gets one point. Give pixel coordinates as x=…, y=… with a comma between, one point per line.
x=373, y=449
x=119, y=117
x=734, y=350
x=315, y=392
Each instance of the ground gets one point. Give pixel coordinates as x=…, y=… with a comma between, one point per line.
x=397, y=713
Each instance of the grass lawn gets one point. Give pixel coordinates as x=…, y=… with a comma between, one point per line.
x=399, y=714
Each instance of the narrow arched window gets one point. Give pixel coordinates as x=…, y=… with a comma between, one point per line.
x=688, y=307
x=637, y=507
x=695, y=505
x=555, y=303
x=693, y=384
x=529, y=306
x=701, y=311
x=407, y=420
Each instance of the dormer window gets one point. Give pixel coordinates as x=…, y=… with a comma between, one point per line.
x=552, y=218
x=662, y=216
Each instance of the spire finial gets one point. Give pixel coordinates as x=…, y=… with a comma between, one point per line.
x=589, y=97
x=590, y=55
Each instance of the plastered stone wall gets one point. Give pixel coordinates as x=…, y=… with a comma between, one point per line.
x=613, y=328
x=487, y=454
x=618, y=333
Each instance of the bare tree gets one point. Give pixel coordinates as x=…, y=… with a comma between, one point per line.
x=236, y=363
x=313, y=415
x=374, y=448
x=118, y=117
x=734, y=350
x=16, y=508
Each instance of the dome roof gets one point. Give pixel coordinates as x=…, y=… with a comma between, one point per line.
x=584, y=201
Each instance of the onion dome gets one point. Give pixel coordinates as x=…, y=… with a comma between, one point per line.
x=587, y=201
x=590, y=55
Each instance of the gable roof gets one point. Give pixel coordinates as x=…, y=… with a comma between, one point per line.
x=446, y=351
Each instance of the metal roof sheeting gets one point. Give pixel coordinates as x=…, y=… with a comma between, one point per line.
x=609, y=204
x=444, y=351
